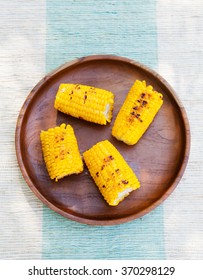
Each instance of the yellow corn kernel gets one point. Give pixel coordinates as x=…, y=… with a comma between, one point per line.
x=111, y=173
x=85, y=102
x=60, y=152
x=137, y=113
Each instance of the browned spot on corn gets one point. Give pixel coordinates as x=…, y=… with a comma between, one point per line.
x=125, y=182
x=135, y=108
x=108, y=159
x=144, y=103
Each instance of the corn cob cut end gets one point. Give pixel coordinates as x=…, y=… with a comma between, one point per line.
x=60, y=152
x=108, y=112
x=111, y=173
x=85, y=102
x=137, y=113
x=121, y=196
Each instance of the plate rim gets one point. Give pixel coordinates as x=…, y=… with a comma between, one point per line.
x=96, y=221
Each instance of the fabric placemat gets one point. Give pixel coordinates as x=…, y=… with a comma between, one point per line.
x=36, y=37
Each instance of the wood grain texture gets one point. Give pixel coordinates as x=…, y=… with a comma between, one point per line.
x=159, y=158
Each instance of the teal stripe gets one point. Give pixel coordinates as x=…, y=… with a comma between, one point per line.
x=140, y=239
x=78, y=28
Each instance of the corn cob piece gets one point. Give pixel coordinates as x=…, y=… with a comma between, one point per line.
x=85, y=102
x=137, y=113
x=60, y=152
x=111, y=173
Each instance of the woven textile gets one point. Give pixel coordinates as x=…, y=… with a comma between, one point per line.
x=36, y=37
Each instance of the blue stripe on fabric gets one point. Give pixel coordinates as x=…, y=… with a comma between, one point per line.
x=139, y=239
x=79, y=28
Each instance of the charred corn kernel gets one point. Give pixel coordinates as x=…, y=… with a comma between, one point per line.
x=137, y=112
x=85, y=102
x=111, y=173
x=60, y=152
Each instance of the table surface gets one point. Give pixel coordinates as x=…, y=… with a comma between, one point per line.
x=36, y=37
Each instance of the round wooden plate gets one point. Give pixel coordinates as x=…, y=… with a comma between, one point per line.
x=159, y=158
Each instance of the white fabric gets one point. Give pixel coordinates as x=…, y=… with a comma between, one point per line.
x=180, y=57
x=22, y=56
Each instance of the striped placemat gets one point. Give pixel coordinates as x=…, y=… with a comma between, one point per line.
x=36, y=37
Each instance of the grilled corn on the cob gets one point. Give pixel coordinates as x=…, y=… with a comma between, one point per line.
x=85, y=102
x=60, y=151
x=137, y=112
x=111, y=173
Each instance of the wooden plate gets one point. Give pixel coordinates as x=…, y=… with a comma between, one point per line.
x=159, y=158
